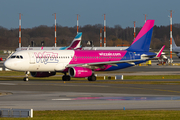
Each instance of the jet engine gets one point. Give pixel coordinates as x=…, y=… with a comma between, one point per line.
x=42, y=74
x=79, y=72
x=178, y=55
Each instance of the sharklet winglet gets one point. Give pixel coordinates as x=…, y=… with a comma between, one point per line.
x=160, y=52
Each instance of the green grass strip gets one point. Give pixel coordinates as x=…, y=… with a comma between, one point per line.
x=12, y=73
x=103, y=115
x=126, y=77
x=144, y=79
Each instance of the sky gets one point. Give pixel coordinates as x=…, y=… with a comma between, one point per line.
x=118, y=12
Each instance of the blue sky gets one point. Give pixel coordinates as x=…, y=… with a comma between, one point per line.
x=118, y=12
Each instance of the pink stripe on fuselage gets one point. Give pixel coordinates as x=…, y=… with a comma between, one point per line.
x=92, y=56
x=148, y=25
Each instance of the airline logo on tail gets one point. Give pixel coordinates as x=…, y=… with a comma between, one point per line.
x=75, y=43
x=143, y=39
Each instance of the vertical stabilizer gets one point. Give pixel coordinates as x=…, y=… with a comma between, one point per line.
x=76, y=42
x=173, y=43
x=143, y=40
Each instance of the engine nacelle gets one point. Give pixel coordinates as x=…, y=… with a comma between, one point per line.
x=178, y=55
x=79, y=72
x=42, y=74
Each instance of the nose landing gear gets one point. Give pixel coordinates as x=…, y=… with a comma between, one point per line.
x=26, y=78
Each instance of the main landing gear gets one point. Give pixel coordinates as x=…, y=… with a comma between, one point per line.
x=26, y=78
x=92, y=77
x=66, y=77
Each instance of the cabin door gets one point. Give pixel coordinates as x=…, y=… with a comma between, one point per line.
x=31, y=58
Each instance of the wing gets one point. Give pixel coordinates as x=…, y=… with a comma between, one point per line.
x=100, y=64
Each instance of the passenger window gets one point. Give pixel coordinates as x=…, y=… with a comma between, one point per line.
x=17, y=57
x=21, y=57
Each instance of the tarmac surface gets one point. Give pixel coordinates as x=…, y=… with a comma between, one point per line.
x=59, y=95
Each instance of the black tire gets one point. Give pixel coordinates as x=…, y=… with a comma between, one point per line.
x=66, y=78
x=25, y=78
x=92, y=78
x=89, y=78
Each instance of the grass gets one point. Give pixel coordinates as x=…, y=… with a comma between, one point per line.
x=2, y=52
x=103, y=115
x=11, y=73
x=143, y=79
x=127, y=77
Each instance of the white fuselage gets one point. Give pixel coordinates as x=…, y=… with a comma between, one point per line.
x=39, y=61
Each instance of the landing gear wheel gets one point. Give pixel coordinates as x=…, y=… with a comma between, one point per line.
x=66, y=78
x=25, y=78
x=92, y=78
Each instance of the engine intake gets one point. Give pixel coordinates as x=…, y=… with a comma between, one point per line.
x=42, y=74
x=79, y=72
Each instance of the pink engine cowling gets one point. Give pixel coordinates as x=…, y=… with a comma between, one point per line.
x=79, y=72
x=42, y=74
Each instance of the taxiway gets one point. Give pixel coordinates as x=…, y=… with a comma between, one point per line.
x=57, y=95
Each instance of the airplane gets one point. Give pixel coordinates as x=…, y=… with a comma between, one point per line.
x=175, y=48
x=74, y=45
x=104, y=48
x=83, y=63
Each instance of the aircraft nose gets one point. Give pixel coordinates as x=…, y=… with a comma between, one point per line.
x=7, y=64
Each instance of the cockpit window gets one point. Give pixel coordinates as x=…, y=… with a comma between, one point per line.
x=13, y=56
x=17, y=56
